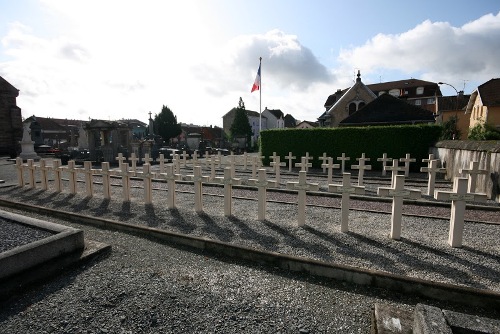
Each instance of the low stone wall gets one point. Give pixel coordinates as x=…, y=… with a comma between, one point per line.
x=457, y=154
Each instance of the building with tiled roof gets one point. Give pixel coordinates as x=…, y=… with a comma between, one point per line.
x=388, y=110
x=484, y=104
x=254, y=118
x=454, y=106
x=11, y=124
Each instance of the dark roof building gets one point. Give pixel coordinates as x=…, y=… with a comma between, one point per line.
x=388, y=110
x=11, y=124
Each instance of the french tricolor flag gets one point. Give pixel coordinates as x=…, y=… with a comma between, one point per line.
x=256, y=84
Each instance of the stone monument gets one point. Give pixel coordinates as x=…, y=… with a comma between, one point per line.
x=27, y=145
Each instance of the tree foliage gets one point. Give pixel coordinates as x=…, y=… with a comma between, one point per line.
x=482, y=131
x=450, y=129
x=241, y=125
x=166, y=124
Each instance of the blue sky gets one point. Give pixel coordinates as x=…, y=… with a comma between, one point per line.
x=121, y=59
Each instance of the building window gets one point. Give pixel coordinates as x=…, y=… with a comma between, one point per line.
x=352, y=108
x=430, y=101
x=420, y=90
x=418, y=102
x=394, y=92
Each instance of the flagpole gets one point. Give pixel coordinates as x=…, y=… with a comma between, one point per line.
x=260, y=97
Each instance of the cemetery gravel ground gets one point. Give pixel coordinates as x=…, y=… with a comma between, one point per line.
x=145, y=286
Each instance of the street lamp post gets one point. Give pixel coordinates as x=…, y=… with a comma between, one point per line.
x=456, y=91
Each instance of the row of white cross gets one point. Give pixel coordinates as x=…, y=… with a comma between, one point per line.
x=458, y=196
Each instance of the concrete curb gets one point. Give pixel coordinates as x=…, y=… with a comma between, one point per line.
x=427, y=289
x=63, y=241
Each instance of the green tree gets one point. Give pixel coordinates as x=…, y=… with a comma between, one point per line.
x=450, y=129
x=482, y=131
x=241, y=125
x=166, y=124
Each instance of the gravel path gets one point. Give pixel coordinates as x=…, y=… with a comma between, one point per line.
x=148, y=287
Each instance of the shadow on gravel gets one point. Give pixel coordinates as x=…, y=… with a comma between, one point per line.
x=268, y=242
x=103, y=208
x=179, y=223
x=150, y=217
x=82, y=205
x=432, y=265
x=64, y=201
x=319, y=251
x=125, y=213
x=211, y=227
x=494, y=275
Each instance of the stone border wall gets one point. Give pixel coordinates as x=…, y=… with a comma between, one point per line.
x=457, y=154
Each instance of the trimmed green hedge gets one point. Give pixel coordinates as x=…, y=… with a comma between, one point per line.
x=396, y=141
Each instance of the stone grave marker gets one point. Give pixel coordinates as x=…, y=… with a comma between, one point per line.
x=56, y=169
x=184, y=157
x=277, y=164
x=343, y=159
x=303, y=164
x=228, y=182
x=171, y=177
x=198, y=180
x=395, y=168
x=20, y=172
x=473, y=172
x=329, y=165
x=44, y=168
x=302, y=186
x=398, y=192
x=71, y=170
x=262, y=184
x=323, y=159
x=147, y=176
x=459, y=196
x=346, y=189
x=121, y=159
x=162, y=161
x=290, y=159
x=30, y=166
x=361, y=167
x=431, y=170
x=133, y=163
x=89, y=177
x=407, y=159
x=106, y=181
x=384, y=159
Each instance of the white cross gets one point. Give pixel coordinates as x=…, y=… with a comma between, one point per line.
x=407, y=161
x=133, y=159
x=307, y=158
x=228, y=182
x=198, y=180
x=177, y=164
x=171, y=177
x=30, y=166
x=395, y=168
x=43, y=173
x=211, y=161
x=343, y=159
x=262, y=184
x=147, y=176
x=106, y=184
x=256, y=162
x=304, y=165
x=207, y=156
x=245, y=160
x=346, y=189
x=290, y=159
x=219, y=159
x=428, y=160
x=162, y=161
x=273, y=157
x=231, y=162
x=72, y=176
x=384, y=159
x=56, y=168
x=195, y=162
x=276, y=164
x=324, y=159
x=361, y=167
x=398, y=192
x=302, y=186
x=330, y=166
x=184, y=158
x=473, y=172
x=459, y=196
x=121, y=159
x=147, y=159
x=20, y=173
x=431, y=170
x=125, y=175
x=89, y=181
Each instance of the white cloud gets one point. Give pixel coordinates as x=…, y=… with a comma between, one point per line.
x=434, y=51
